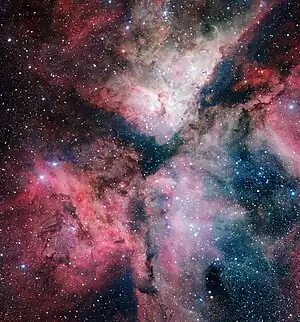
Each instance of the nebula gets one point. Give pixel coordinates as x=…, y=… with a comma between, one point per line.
x=150, y=165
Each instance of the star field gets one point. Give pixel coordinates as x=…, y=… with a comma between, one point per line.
x=150, y=160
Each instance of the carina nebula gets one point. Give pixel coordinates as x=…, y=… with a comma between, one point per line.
x=150, y=160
